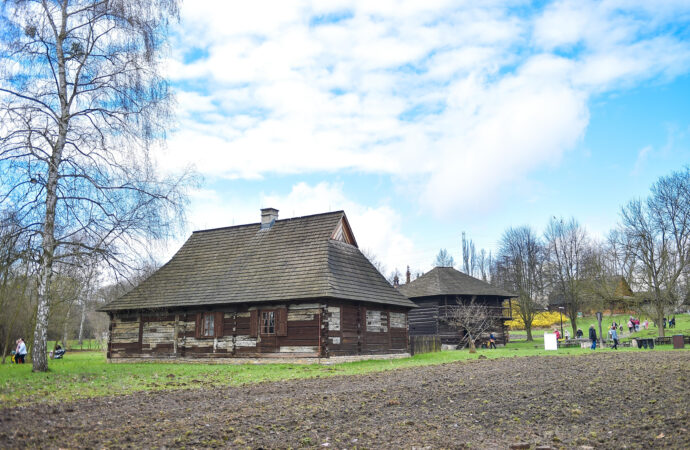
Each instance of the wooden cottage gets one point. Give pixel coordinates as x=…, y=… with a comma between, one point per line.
x=608, y=292
x=437, y=291
x=292, y=288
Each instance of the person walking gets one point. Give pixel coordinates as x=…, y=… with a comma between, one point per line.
x=21, y=351
x=593, y=336
x=614, y=336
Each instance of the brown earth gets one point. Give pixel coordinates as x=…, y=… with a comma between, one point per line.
x=602, y=400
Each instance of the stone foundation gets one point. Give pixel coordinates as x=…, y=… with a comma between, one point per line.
x=274, y=360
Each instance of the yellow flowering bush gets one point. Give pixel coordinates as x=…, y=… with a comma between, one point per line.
x=542, y=320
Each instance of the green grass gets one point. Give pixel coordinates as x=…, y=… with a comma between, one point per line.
x=87, y=374
x=682, y=326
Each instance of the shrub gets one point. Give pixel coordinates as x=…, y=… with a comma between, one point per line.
x=542, y=320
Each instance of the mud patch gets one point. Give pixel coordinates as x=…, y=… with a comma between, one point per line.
x=607, y=400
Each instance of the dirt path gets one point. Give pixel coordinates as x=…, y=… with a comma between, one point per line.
x=607, y=400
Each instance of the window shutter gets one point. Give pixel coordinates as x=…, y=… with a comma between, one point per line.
x=197, y=332
x=253, y=323
x=281, y=325
x=218, y=323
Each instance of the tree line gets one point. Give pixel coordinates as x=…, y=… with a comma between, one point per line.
x=648, y=249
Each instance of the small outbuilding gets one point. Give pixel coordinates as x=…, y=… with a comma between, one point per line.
x=612, y=292
x=441, y=289
x=293, y=288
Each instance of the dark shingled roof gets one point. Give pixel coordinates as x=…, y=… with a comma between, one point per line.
x=294, y=259
x=448, y=281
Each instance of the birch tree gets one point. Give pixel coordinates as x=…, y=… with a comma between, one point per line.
x=82, y=103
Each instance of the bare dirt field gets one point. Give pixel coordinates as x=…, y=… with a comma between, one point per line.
x=603, y=400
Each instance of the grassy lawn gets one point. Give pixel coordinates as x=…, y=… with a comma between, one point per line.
x=682, y=326
x=87, y=374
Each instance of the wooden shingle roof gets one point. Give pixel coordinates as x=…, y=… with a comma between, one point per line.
x=448, y=281
x=294, y=259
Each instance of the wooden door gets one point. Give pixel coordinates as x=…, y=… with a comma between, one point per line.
x=268, y=323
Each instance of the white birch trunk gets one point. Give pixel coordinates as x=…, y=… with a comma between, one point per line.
x=39, y=357
x=82, y=320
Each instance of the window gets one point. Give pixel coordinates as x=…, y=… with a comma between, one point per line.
x=268, y=322
x=207, y=325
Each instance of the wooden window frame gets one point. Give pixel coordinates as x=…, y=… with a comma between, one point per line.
x=274, y=316
x=204, y=332
x=201, y=321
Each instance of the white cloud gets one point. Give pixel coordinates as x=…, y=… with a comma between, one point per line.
x=642, y=157
x=455, y=102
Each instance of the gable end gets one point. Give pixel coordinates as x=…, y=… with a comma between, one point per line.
x=343, y=232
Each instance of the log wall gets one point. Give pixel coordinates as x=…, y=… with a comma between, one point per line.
x=366, y=329
x=323, y=329
x=430, y=318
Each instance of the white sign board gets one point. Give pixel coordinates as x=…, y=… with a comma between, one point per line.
x=550, y=342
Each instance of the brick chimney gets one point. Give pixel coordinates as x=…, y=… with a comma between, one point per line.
x=268, y=217
x=407, y=275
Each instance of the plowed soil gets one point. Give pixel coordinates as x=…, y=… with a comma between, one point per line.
x=602, y=400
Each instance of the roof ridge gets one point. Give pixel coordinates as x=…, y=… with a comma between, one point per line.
x=449, y=280
x=229, y=227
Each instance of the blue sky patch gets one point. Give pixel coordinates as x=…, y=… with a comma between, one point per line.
x=330, y=18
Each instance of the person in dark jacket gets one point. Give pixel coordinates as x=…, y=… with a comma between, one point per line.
x=593, y=336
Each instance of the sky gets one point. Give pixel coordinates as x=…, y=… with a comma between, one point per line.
x=424, y=119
